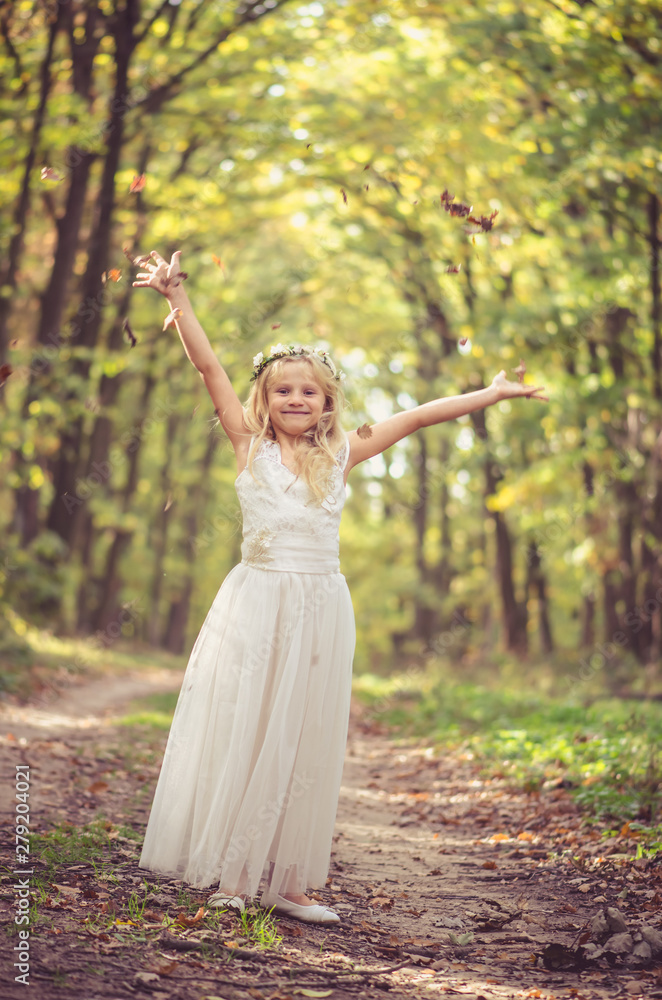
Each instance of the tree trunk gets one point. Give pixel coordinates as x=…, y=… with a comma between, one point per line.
x=63, y=518
x=514, y=614
x=589, y=602
x=160, y=537
x=656, y=308
x=175, y=635
x=108, y=608
x=536, y=586
x=9, y=271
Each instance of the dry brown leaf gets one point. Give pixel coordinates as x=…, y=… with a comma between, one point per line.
x=98, y=786
x=184, y=920
x=364, y=431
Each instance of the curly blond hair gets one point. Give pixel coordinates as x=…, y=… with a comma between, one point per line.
x=318, y=447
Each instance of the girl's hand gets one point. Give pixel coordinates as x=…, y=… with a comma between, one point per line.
x=160, y=275
x=508, y=390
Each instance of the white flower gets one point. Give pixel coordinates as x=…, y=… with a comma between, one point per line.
x=258, y=359
x=342, y=376
x=279, y=349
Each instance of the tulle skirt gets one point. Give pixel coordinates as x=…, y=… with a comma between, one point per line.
x=251, y=773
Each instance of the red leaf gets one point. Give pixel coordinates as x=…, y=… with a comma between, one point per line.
x=137, y=184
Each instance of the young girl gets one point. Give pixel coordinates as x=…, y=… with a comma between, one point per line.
x=252, y=768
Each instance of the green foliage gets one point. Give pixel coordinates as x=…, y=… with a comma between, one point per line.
x=605, y=750
x=249, y=129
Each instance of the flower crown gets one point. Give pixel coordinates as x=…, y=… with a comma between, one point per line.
x=260, y=362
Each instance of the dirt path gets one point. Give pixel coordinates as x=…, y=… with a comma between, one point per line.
x=446, y=883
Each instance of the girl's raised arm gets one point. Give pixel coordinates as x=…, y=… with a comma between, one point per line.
x=382, y=435
x=166, y=279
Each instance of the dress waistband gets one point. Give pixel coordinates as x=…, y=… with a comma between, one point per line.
x=289, y=552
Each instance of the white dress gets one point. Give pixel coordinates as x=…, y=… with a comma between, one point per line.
x=251, y=773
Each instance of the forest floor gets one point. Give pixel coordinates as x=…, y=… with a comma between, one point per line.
x=447, y=882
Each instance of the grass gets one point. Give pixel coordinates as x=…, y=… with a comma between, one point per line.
x=260, y=929
x=33, y=659
x=66, y=844
x=603, y=749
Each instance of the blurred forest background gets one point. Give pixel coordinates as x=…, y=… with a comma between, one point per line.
x=297, y=154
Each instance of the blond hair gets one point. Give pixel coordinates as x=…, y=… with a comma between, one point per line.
x=316, y=448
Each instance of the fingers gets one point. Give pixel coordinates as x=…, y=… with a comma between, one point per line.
x=157, y=257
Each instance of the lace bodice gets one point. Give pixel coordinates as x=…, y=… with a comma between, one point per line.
x=285, y=526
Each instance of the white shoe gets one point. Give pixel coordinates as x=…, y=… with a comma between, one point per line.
x=314, y=914
x=221, y=901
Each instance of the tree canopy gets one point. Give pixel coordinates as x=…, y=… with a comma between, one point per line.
x=320, y=166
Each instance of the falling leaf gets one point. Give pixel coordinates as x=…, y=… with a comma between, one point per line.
x=171, y=317
x=219, y=263
x=453, y=269
x=275, y=326
x=344, y=195
x=113, y=275
x=137, y=184
x=367, y=166
x=308, y=145
x=367, y=187
x=519, y=371
x=364, y=431
x=137, y=261
x=50, y=174
x=463, y=341
x=169, y=501
x=126, y=327
x=485, y=222
x=5, y=372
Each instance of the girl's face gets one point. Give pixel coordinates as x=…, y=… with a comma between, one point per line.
x=296, y=399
